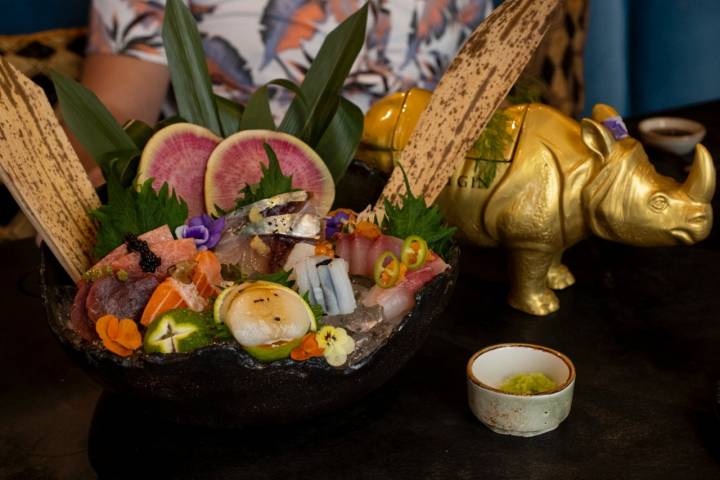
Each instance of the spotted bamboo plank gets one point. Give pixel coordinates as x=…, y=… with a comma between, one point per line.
x=40, y=168
x=474, y=85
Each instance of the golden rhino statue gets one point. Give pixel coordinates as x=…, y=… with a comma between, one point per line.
x=560, y=181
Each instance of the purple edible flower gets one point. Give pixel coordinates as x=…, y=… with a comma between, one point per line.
x=203, y=229
x=335, y=223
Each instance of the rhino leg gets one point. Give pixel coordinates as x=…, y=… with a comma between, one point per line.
x=529, y=276
x=559, y=276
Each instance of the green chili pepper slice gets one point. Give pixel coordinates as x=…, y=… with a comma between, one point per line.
x=414, y=252
x=386, y=275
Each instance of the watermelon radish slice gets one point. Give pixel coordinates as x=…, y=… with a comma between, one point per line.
x=236, y=162
x=178, y=154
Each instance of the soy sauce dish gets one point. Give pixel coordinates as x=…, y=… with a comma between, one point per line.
x=672, y=134
x=524, y=415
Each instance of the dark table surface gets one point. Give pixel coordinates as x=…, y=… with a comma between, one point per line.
x=641, y=325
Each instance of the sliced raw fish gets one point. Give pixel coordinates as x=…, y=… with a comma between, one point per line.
x=169, y=295
x=343, y=287
x=400, y=299
x=206, y=275
x=127, y=299
x=79, y=320
x=358, y=255
x=343, y=247
x=160, y=234
x=396, y=301
x=382, y=244
x=170, y=253
x=328, y=289
x=300, y=252
x=234, y=249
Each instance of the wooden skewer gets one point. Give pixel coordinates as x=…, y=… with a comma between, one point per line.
x=40, y=168
x=473, y=86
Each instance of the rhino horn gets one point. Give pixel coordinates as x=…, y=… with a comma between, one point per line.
x=700, y=183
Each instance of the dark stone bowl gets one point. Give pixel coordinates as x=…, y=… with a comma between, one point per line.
x=221, y=385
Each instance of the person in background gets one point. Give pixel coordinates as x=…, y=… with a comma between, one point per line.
x=248, y=43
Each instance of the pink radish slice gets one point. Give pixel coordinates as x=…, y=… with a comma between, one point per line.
x=178, y=154
x=236, y=163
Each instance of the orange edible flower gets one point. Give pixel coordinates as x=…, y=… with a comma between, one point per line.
x=368, y=229
x=324, y=248
x=308, y=348
x=119, y=336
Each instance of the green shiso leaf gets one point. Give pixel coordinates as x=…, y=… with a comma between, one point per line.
x=230, y=114
x=338, y=144
x=324, y=80
x=188, y=69
x=414, y=217
x=272, y=182
x=92, y=123
x=131, y=211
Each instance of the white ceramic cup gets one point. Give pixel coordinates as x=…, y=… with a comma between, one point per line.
x=516, y=414
x=652, y=133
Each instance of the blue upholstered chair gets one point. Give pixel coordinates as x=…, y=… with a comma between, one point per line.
x=647, y=55
x=29, y=16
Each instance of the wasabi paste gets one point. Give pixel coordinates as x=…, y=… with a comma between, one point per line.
x=527, y=383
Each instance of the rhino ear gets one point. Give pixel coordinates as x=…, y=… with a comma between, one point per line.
x=597, y=137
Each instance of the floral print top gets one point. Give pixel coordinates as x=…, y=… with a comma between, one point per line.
x=250, y=42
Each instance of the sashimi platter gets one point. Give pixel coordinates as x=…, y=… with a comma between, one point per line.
x=218, y=278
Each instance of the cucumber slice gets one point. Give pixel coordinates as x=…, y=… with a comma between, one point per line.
x=178, y=331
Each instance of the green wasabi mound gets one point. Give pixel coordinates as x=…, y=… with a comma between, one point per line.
x=527, y=383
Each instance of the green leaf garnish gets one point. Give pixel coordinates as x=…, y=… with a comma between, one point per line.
x=281, y=277
x=489, y=149
x=338, y=144
x=92, y=123
x=230, y=114
x=317, y=309
x=257, y=113
x=136, y=212
x=414, y=217
x=272, y=183
x=188, y=68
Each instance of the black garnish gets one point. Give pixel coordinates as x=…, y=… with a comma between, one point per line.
x=149, y=262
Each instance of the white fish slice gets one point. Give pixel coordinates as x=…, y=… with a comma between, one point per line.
x=343, y=288
x=326, y=282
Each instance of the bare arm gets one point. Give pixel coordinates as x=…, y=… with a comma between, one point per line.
x=129, y=88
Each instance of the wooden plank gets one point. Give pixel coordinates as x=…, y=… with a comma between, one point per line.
x=473, y=86
x=43, y=173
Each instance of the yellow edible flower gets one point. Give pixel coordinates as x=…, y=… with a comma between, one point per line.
x=337, y=344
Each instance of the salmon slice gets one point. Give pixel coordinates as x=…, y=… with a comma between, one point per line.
x=169, y=295
x=160, y=234
x=170, y=253
x=206, y=276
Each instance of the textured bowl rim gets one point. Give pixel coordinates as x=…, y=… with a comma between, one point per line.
x=571, y=368
x=647, y=128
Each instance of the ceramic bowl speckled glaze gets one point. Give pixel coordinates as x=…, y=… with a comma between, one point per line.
x=515, y=414
x=672, y=134
x=221, y=385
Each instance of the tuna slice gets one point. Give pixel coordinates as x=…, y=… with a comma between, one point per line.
x=236, y=163
x=79, y=320
x=170, y=253
x=109, y=295
x=178, y=154
x=160, y=234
